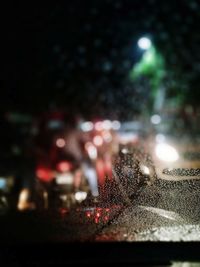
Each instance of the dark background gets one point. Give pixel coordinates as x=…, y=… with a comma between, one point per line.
x=78, y=53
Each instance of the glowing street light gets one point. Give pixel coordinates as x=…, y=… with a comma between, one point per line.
x=144, y=43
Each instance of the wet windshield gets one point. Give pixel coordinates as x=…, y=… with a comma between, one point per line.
x=99, y=122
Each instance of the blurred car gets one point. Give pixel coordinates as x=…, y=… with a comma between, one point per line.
x=62, y=184
x=60, y=180
x=129, y=132
x=176, y=159
x=167, y=154
x=175, y=150
x=133, y=170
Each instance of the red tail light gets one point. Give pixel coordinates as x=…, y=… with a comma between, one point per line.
x=98, y=215
x=64, y=166
x=44, y=174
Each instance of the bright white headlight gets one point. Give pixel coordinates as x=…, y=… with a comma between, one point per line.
x=80, y=196
x=166, y=152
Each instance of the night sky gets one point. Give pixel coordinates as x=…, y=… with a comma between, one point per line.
x=78, y=54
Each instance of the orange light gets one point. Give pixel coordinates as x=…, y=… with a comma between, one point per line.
x=23, y=201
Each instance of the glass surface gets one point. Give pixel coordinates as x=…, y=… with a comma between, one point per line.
x=100, y=122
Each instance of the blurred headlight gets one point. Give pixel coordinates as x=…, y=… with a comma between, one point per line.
x=80, y=196
x=166, y=153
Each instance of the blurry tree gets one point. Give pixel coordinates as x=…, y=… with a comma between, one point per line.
x=78, y=54
x=152, y=67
